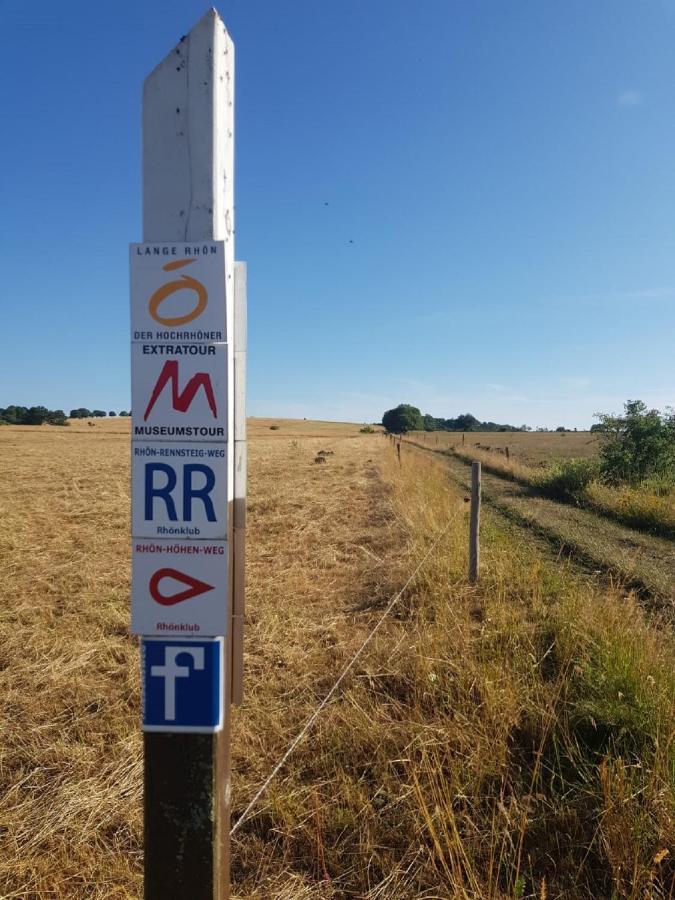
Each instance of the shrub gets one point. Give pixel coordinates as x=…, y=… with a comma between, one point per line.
x=649, y=506
x=566, y=479
x=367, y=429
x=637, y=445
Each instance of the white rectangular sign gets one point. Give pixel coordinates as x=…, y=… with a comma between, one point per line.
x=178, y=292
x=179, y=490
x=179, y=391
x=179, y=588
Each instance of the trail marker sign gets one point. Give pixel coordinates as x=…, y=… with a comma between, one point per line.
x=179, y=490
x=182, y=685
x=178, y=291
x=180, y=587
x=179, y=395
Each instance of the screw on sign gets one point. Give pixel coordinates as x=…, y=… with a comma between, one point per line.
x=182, y=685
x=173, y=498
x=180, y=587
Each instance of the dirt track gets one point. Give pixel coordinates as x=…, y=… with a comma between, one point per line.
x=642, y=561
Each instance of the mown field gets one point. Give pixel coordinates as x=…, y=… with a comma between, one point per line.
x=511, y=739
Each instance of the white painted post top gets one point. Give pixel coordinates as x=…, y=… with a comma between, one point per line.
x=188, y=140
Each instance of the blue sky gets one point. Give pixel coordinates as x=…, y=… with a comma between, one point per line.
x=500, y=178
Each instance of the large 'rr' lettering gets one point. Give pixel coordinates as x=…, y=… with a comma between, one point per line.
x=163, y=492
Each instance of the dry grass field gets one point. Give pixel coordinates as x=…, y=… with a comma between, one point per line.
x=512, y=739
x=532, y=448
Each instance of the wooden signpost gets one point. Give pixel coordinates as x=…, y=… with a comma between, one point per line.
x=188, y=299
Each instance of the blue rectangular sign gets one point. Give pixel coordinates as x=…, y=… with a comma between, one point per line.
x=182, y=684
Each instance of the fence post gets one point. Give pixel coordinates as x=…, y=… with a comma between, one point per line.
x=474, y=528
x=188, y=196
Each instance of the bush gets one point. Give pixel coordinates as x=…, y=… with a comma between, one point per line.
x=567, y=479
x=638, y=445
x=367, y=429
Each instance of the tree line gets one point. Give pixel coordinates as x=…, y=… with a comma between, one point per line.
x=634, y=447
x=40, y=415
x=404, y=418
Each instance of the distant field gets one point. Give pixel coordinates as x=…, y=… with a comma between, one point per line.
x=257, y=427
x=530, y=447
x=264, y=427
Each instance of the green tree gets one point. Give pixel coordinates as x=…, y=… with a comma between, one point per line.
x=463, y=422
x=36, y=415
x=14, y=415
x=402, y=419
x=98, y=413
x=638, y=444
x=57, y=417
x=80, y=413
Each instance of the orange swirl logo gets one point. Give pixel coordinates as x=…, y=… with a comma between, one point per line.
x=184, y=283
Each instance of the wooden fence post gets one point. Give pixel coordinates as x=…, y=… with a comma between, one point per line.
x=188, y=196
x=474, y=528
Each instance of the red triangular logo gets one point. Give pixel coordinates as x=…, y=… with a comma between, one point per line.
x=194, y=589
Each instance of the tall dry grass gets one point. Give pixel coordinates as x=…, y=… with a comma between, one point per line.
x=70, y=745
x=70, y=765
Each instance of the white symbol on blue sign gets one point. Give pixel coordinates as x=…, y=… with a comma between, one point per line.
x=182, y=685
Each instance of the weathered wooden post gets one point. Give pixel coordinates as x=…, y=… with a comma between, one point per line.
x=188, y=430
x=474, y=526
x=507, y=454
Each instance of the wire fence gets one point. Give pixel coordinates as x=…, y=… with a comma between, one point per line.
x=343, y=674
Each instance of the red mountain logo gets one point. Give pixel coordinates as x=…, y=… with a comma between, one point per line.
x=181, y=400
